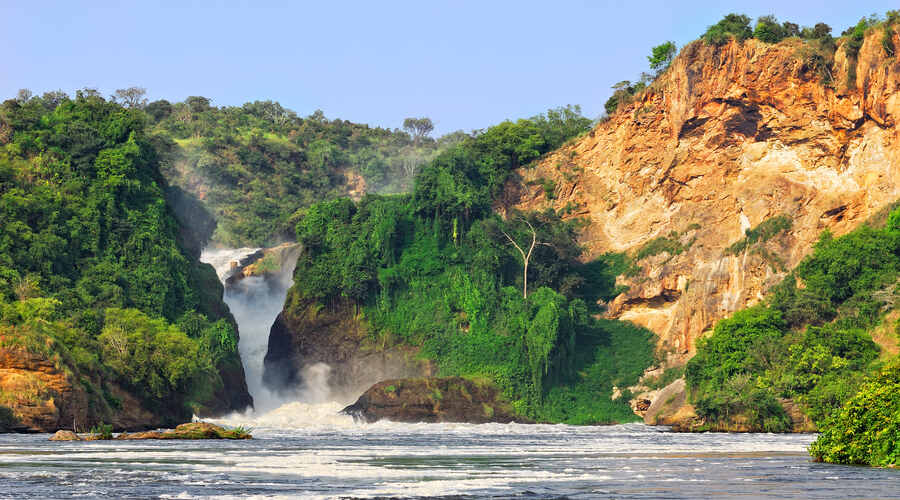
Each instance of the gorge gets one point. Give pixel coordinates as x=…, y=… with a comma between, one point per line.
x=721, y=252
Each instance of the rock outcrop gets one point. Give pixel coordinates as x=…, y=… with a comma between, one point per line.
x=727, y=138
x=269, y=263
x=449, y=399
x=40, y=394
x=308, y=333
x=193, y=430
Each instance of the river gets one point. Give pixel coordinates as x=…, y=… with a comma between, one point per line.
x=304, y=451
x=307, y=450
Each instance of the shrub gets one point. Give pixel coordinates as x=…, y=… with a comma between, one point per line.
x=768, y=30
x=731, y=26
x=102, y=431
x=661, y=56
x=762, y=233
x=866, y=429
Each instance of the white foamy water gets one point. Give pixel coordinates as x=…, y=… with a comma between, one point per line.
x=255, y=302
x=302, y=448
x=299, y=453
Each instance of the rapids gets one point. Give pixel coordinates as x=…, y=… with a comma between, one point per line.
x=300, y=452
x=302, y=448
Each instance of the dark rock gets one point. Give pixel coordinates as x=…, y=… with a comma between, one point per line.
x=307, y=333
x=642, y=405
x=432, y=399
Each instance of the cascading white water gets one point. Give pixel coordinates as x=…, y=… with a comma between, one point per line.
x=255, y=302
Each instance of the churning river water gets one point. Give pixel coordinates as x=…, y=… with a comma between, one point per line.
x=304, y=451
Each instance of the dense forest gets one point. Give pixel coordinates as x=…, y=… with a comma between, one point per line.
x=437, y=268
x=99, y=273
x=255, y=165
x=95, y=272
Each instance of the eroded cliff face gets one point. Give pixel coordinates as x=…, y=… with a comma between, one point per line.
x=41, y=394
x=309, y=333
x=729, y=137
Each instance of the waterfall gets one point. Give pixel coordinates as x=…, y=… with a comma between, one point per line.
x=255, y=302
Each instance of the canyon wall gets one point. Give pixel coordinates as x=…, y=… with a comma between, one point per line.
x=730, y=136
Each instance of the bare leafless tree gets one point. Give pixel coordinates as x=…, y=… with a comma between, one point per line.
x=526, y=256
x=23, y=95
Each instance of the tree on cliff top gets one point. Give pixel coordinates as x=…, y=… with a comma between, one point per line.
x=731, y=26
x=661, y=56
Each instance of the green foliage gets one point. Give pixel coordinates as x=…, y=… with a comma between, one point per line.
x=267, y=265
x=95, y=270
x=433, y=269
x=670, y=244
x=854, y=37
x=866, y=429
x=623, y=93
x=611, y=354
x=809, y=343
x=462, y=182
x=730, y=350
x=257, y=164
x=102, y=431
x=731, y=26
x=661, y=56
x=817, y=53
x=765, y=231
x=768, y=30
x=152, y=356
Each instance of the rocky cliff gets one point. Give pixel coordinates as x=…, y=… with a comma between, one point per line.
x=728, y=138
x=40, y=393
x=308, y=332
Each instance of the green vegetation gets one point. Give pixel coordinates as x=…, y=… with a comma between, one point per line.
x=256, y=164
x=816, y=51
x=670, y=244
x=765, y=231
x=95, y=272
x=856, y=34
x=102, y=431
x=435, y=269
x=661, y=56
x=809, y=342
x=731, y=26
x=866, y=430
x=819, y=46
x=767, y=29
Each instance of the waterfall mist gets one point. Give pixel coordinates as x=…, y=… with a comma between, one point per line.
x=255, y=302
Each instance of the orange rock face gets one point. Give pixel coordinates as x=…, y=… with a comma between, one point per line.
x=38, y=393
x=41, y=394
x=729, y=137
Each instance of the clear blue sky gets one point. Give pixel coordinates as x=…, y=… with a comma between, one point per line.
x=465, y=64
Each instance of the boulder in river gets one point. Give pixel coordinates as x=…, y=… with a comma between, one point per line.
x=65, y=436
x=193, y=430
x=433, y=399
